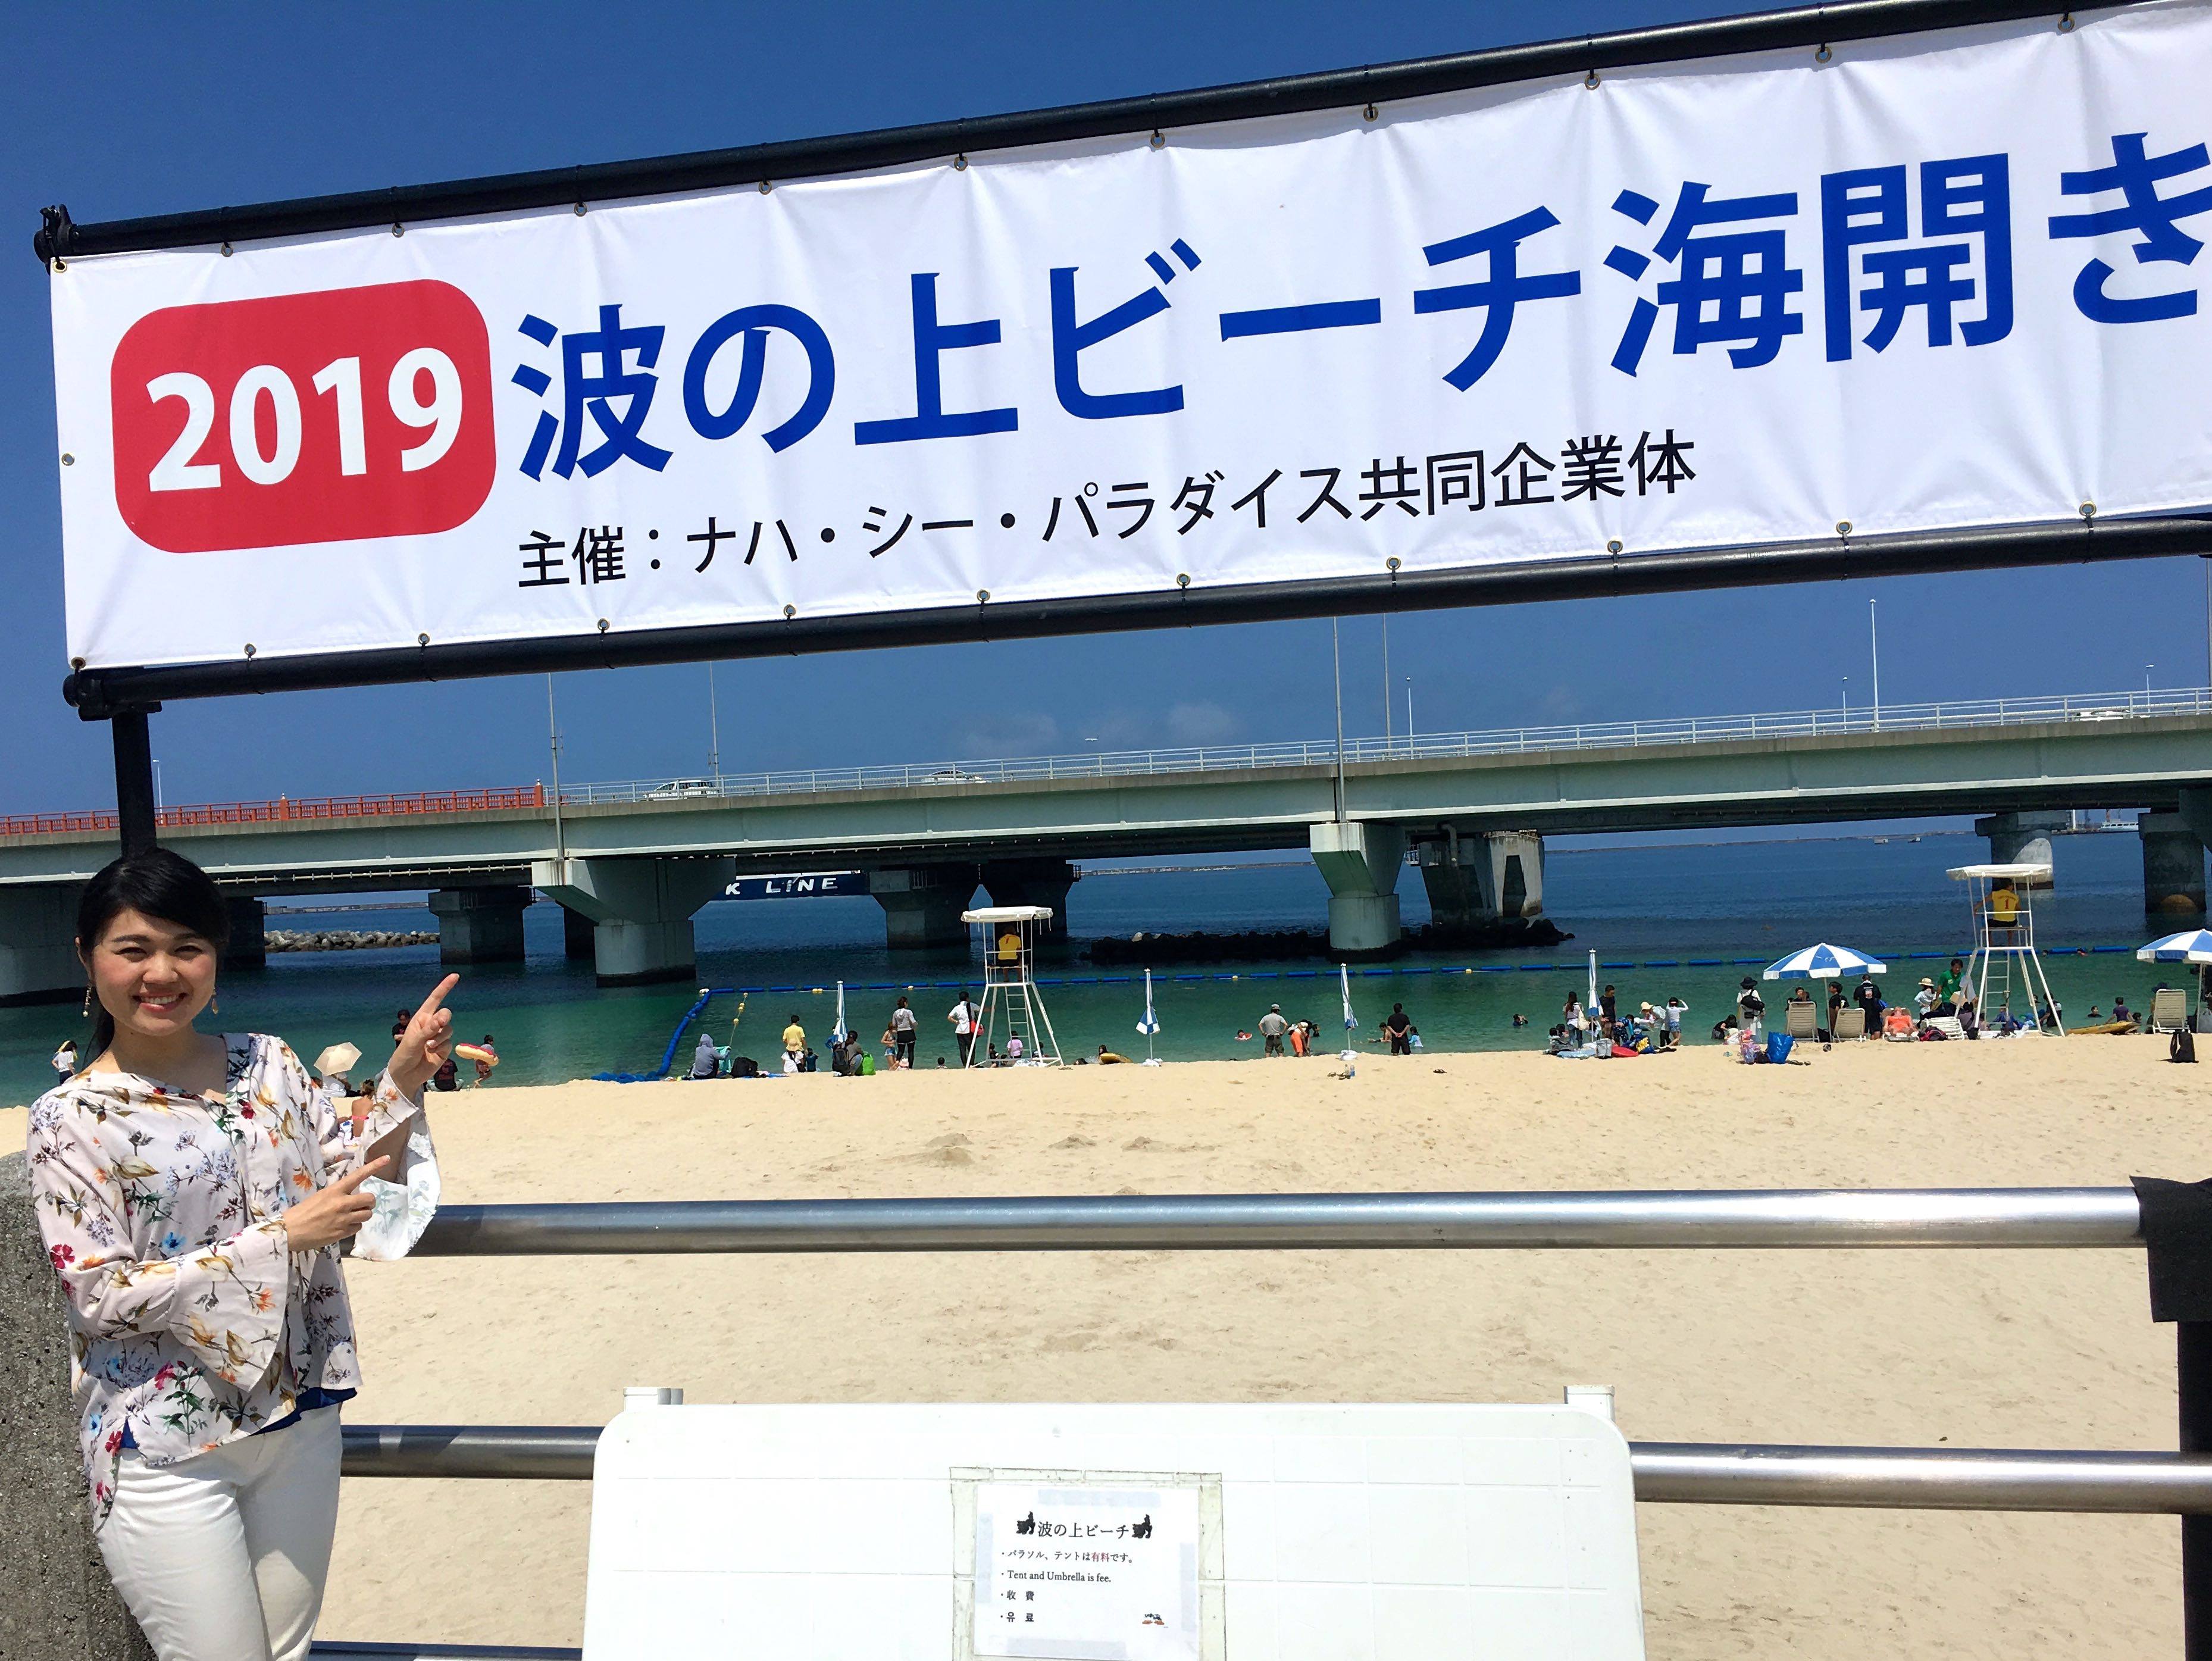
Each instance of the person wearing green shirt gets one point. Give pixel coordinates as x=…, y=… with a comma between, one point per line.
x=1947, y=989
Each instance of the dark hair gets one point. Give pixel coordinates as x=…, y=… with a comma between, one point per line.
x=155, y=883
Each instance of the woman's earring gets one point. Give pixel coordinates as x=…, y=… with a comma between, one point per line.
x=88, y=1003
x=215, y=1005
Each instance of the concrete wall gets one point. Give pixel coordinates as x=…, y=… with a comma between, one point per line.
x=56, y=1604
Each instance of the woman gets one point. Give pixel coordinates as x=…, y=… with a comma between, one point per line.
x=191, y=1188
x=65, y=1061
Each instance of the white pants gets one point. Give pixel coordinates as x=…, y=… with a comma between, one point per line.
x=222, y=1556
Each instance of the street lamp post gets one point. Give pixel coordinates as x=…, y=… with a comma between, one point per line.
x=1409, y=714
x=1874, y=637
x=1847, y=703
x=1336, y=662
x=1386, y=685
x=714, y=733
x=553, y=743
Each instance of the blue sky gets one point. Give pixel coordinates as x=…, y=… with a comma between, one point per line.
x=162, y=109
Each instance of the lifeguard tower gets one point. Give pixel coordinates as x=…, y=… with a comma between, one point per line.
x=1010, y=1002
x=2004, y=964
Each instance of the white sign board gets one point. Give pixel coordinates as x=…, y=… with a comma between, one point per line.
x=1948, y=279
x=1090, y=1571
x=1269, y=1533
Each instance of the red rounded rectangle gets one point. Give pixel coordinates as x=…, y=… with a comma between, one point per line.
x=332, y=416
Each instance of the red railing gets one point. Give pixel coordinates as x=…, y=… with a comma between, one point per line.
x=285, y=808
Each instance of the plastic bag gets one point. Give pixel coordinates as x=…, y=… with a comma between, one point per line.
x=404, y=1208
x=1778, y=1045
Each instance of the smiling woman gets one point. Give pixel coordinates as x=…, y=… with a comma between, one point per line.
x=189, y=1188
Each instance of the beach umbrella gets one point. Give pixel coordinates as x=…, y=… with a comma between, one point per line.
x=1151, y=1024
x=1824, y=963
x=837, y=1032
x=1590, y=1002
x=339, y=1058
x=2191, y=945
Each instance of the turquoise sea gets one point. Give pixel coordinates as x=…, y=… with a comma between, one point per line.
x=1683, y=919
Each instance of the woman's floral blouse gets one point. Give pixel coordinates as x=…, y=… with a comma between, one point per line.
x=193, y=1323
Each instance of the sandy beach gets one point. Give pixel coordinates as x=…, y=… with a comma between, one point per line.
x=2051, y=1349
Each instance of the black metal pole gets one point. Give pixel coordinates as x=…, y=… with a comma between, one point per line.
x=2192, y=1345
x=133, y=780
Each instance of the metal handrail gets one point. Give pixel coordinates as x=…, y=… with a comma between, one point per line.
x=1413, y=747
x=1667, y=1473
x=1761, y=1218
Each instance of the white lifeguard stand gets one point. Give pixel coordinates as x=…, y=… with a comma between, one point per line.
x=1009, y=994
x=2005, y=959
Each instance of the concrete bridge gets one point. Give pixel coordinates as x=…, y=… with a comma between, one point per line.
x=632, y=862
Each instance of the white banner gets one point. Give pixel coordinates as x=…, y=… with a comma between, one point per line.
x=1941, y=280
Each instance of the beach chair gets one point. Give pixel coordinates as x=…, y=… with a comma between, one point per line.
x=1800, y=1020
x=1850, y=1022
x=1948, y=1026
x=2169, y=1009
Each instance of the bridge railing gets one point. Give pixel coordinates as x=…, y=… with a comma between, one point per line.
x=503, y=798
x=1421, y=746
x=1188, y=758
x=2161, y=1482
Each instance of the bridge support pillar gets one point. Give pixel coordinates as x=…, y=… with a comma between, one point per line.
x=2021, y=838
x=922, y=905
x=1360, y=862
x=2173, y=866
x=248, y=945
x=1033, y=882
x=1483, y=877
x=479, y=925
x=576, y=942
x=641, y=910
x=37, y=960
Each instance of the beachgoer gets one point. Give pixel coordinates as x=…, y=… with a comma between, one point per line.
x=1969, y=1019
x=1675, y=1010
x=963, y=1017
x=1519, y=1020
x=484, y=1066
x=1398, y=1028
x=705, y=1063
x=447, y=1077
x=1869, y=998
x=1108, y=1058
x=205, y=1391
x=1010, y=949
x=902, y=1034
x=2120, y=1010
x=1802, y=995
x=1571, y=1013
x=794, y=1045
x=65, y=1061
x=1013, y=1048
x=1607, y=1002
x=1924, y=999
x=399, y=1026
x=1272, y=1028
x=1836, y=1002
x=1302, y=1037
x=1947, y=989
x=1749, y=1005
x=2095, y=1017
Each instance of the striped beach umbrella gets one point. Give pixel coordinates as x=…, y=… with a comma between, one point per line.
x=837, y=1032
x=2191, y=945
x=1151, y=1024
x=1824, y=963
